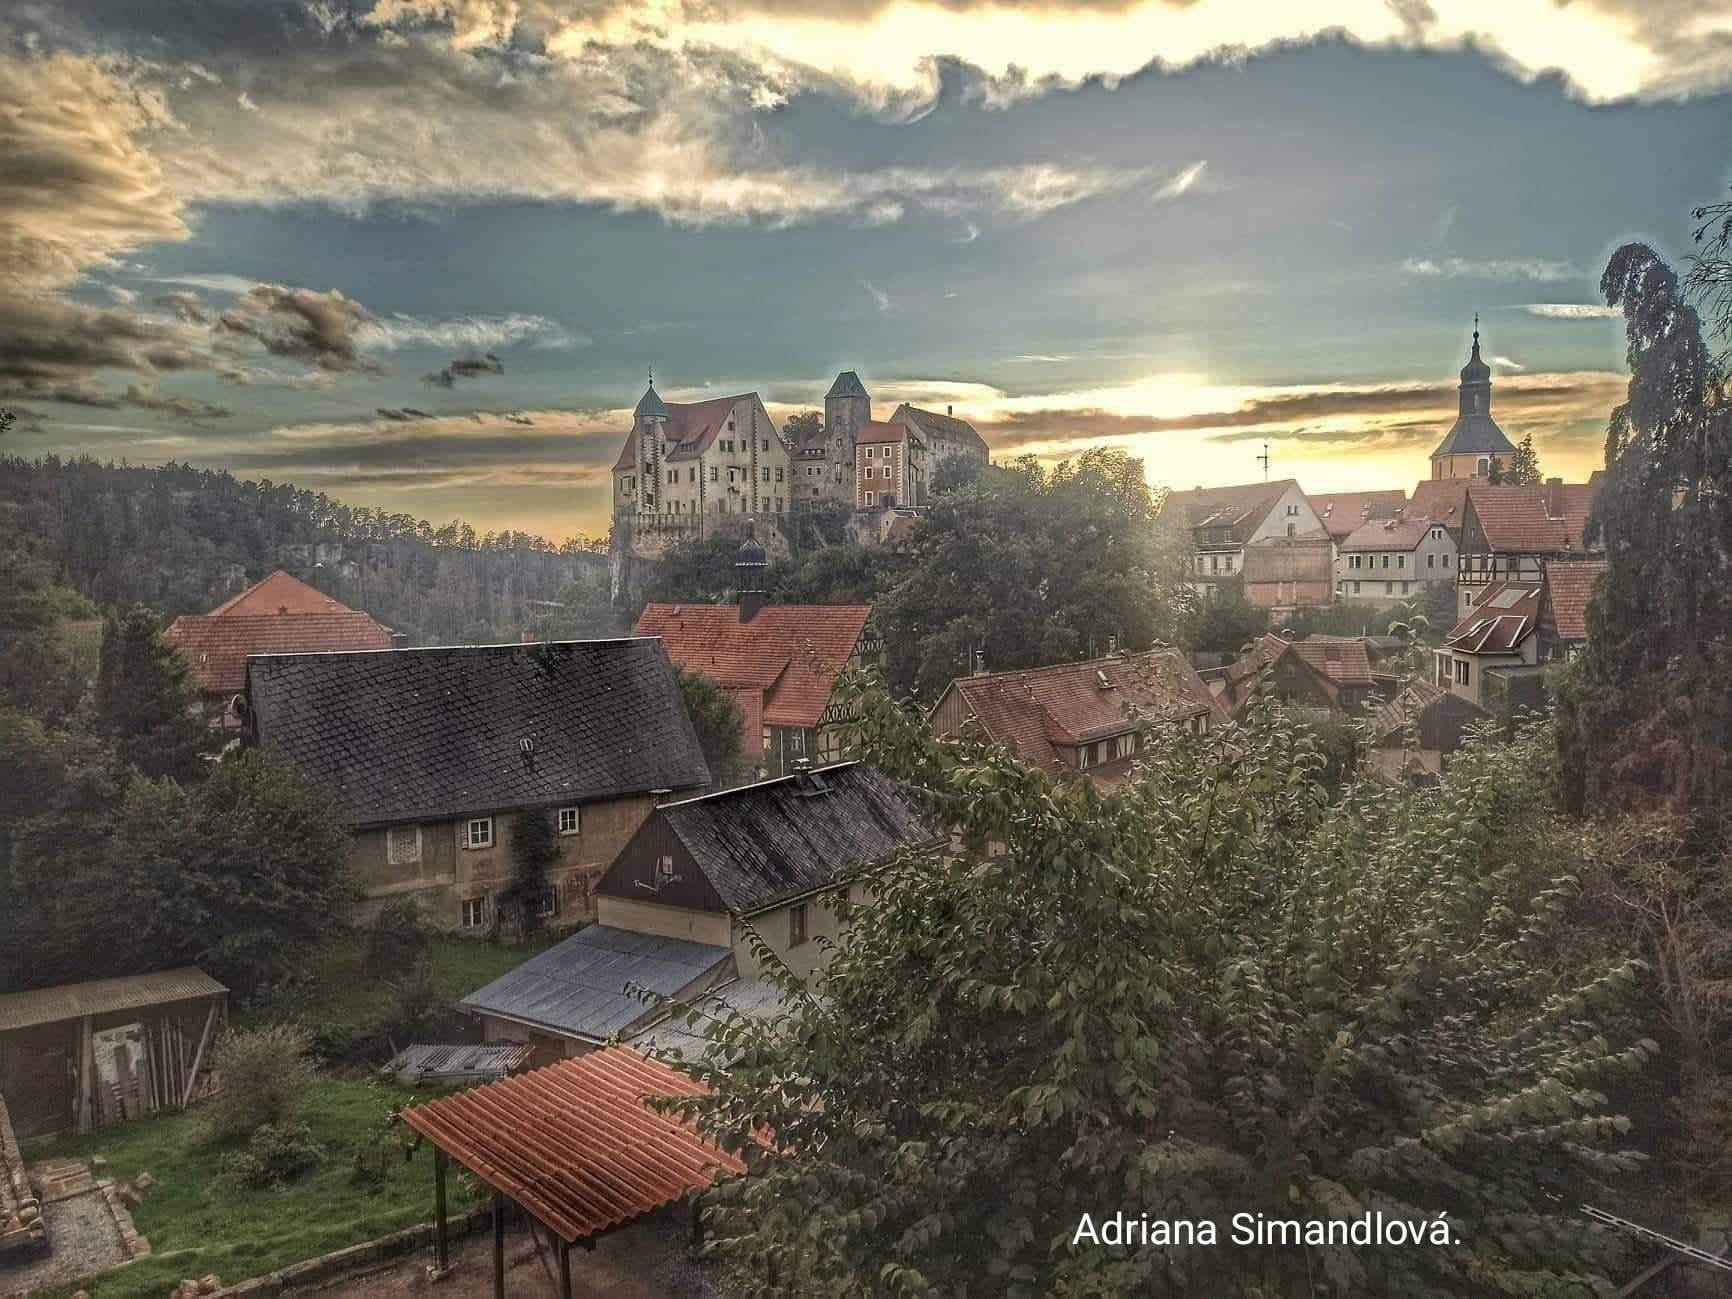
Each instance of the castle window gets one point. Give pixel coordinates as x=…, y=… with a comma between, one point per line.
x=868, y=499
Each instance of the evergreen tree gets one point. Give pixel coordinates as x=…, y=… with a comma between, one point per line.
x=1524, y=465
x=144, y=702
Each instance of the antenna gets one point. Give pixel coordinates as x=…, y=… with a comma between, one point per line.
x=1264, y=461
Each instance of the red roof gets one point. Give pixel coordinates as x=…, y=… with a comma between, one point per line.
x=692, y=426
x=278, y=593
x=1501, y=619
x=1073, y=703
x=575, y=1144
x=1547, y=517
x=790, y=653
x=1342, y=662
x=1342, y=512
x=1388, y=534
x=877, y=430
x=1441, y=499
x=216, y=646
x=1222, y=507
x=1569, y=587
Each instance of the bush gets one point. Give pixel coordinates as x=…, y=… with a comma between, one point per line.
x=275, y=1155
x=263, y=1072
x=397, y=940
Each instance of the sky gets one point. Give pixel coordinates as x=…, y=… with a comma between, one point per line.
x=421, y=254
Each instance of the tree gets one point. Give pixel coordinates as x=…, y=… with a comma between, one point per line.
x=37, y=676
x=719, y=721
x=7, y=420
x=534, y=851
x=804, y=428
x=1212, y=993
x=1645, y=720
x=1226, y=620
x=1524, y=465
x=144, y=702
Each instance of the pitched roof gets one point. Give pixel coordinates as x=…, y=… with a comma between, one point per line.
x=1342, y=512
x=877, y=430
x=216, y=647
x=1342, y=662
x=1073, y=703
x=104, y=996
x=692, y=427
x=1474, y=433
x=760, y=845
x=847, y=385
x=579, y=988
x=1503, y=616
x=793, y=653
x=1443, y=500
x=1440, y=717
x=1520, y=517
x=403, y=735
x=1388, y=534
x=278, y=593
x=1244, y=505
x=575, y=1144
x=1569, y=587
x=943, y=428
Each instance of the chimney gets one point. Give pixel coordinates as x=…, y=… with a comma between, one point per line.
x=950, y=410
x=750, y=603
x=1554, y=498
x=1112, y=646
x=979, y=663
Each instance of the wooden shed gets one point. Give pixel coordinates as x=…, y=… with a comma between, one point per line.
x=81, y=1055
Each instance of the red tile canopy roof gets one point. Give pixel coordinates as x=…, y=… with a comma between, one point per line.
x=1342, y=662
x=216, y=646
x=1388, y=534
x=788, y=654
x=877, y=430
x=575, y=1143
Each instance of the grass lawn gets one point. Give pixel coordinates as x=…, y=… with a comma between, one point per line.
x=197, y=1225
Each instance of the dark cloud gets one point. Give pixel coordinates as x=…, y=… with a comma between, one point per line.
x=430, y=450
x=185, y=305
x=521, y=419
x=402, y=414
x=465, y=368
x=318, y=329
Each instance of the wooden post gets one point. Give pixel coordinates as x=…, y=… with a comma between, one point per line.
x=86, y=1076
x=441, y=1228
x=198, y=1056
x=564, y=1270
x=498, y=1245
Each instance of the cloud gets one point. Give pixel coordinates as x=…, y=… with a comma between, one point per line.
x=402, y=415
x=880, y=299
x=464, y=368
x=1503, y=362
x=1571, y=310
x=1513, y=268
x=1183, y=182
x=318, y=329
x=185, y=306
x=214, y=282
x=474, y=333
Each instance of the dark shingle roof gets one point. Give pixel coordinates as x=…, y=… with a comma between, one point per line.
x=409, y=734
x=946, y=428
x=762, y=844
x=847, y=385
x=1474, y=433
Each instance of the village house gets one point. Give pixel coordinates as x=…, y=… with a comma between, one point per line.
x=1491, y=657
x=1387, y=559
x=890, y=468
x=1225, y=520
x=1325, y=675
x=693, y=900
x=1443, y=501
x=1419, y=730
x=780, y=662
x=1474, y=446
x=1511, y=532
x=429, y=753
x=1567, y=587
x=278, y=615
x=1286, y=573
x=845, y=459
x=1094, y=717
x=1342, y=512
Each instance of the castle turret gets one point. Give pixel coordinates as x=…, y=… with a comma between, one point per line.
x=847, y=406
x=649, y=432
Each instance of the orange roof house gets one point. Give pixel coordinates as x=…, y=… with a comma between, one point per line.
x=779, y=661
x=1342, y=512
x=1330, y=674
x=278, y=615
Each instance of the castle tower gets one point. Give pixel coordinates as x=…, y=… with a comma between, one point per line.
x=649, y=435
x=847, y=406
x=1474, y=442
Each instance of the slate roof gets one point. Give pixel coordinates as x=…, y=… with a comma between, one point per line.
x=1029, y=711
x=789, y=654
x=1342, y=512
x=1502, y=617
x=942, y=428
x=1569, y=587
x=278, y=593
x=216, y=646
x=847, y=385
x=1388, y=534
x=1474, y=433
x=1519, y=517
x=417, y=734
x=761, y=845
x=1243, y=506
x=104, y=996
x=577, y=988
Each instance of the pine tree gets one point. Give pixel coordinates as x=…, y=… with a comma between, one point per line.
x=1524, y=464
x=144, y=702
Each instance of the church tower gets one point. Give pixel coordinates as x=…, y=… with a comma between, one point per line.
x=1474, y=442
x=847, y=408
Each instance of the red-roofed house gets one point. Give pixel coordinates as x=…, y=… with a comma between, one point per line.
x=1510, y=532
x=1224, y=521
x=1342, y=512
x=780, y=661
x=1089, y=717
x=1386, y=559
x=1568, y=586
x=278, y=615
x=1491, y=657
x=1327, y=674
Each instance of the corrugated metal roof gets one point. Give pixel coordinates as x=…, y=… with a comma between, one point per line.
x=104, y=996
x=574, y=1143
x=749, y=998
x=578, y=988
x=452, y=1064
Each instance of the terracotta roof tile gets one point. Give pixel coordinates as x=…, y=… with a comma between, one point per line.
x=1222, y=507
x=791, y=654
x=575, y=1144
x=216, y=646
x=1342, y=512
x=1569, y=587
x=1503, y=615
x=692, y=427
x=278, y=593
x=877, y=430
x=1342, y=662
x=1442, y=499
x=1520, y=518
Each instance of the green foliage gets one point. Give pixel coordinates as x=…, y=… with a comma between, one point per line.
x=805, y=427
x=275, y=1155
x=719, y=722
x=1524, y=466
x=695, y=572
x=398, y=939
x=534, y=851
x=955, y=473
x=847, y=573
x=1033, y=566
x=1225, y=620
x=36, y=675
x=144, y=702
x=1213, y=992
x=264, y=1073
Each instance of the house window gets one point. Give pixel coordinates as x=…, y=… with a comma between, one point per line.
x=797, y=743
x=868, y=498
x=1289, y=529
x=766, y=444
x=778, y=505
x=1386, y=561
x=1101, y=751
x=766, y=473
x=730, y=425
x=1446, y=561
x=1124, y=746
x=547, y=905
x=570, y=820
x=1437, y=534
x=474, y=912
x=1401, y=561
x=1461, y=672
x=403, y=845
x=712, y=473
x=1214, y=563
x=1404, y=587
x=1389, y=588
x=778, y=473
x=1358, y=587
x=1292, y=510
x=478, y=833
x=796, y=924
x=1431, y=561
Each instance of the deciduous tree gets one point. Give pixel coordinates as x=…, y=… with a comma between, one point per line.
x=720, y=723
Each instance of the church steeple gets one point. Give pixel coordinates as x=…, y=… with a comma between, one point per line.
x=1475, y=441
x=1475, y=380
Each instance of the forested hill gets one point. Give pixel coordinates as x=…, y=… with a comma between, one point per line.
x=181, y=540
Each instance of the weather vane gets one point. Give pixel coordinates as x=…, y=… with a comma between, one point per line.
x=1264, y=461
